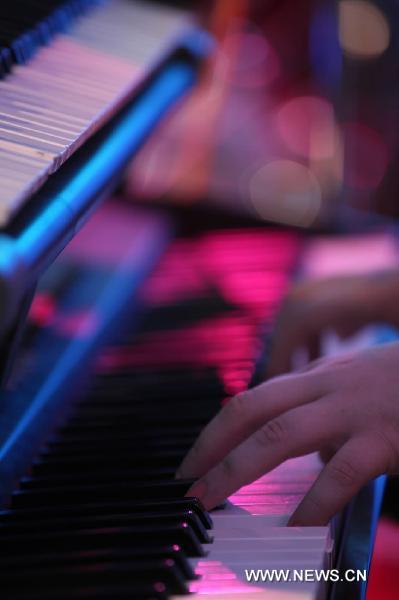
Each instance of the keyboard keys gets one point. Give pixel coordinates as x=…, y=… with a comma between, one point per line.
x=66, y=67
x=100, y=514
x=178, y=532
x=99, y=575
x=88, y=494
x=67, y=511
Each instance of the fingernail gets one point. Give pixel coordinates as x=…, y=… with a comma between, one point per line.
x=199, y=490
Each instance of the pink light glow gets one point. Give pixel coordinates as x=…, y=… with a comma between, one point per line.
x=257, y=63
x=204, y=344
x=329, y=256
x=43, y=310
x=78, y=324
x=307, y=126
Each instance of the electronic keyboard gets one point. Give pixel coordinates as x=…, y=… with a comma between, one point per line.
x=60, y=91
x=85, y=82
x=91, y=508
x=115, y=354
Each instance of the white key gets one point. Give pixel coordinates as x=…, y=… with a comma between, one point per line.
x=51, y=105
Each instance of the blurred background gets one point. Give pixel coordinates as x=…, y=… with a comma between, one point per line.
x=296, y=118
x=296, y=122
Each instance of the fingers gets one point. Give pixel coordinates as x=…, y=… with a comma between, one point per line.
x=326, y=453
x=299, y=431
x=244, y=414
x=358, y=461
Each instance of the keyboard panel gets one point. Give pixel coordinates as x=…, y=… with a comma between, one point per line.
x=99, y=514
x=54, y=99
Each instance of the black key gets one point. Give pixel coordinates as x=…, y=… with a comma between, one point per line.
x=48, y=512
x=158, y=435
x=119, y=426
x=140, y=475
x=186, y=312
x=45, y=562
x=139, y=591
x=75, y=577
x=120, y=537
x=78, y=523
x=27, y=24
x=51, y=465
x=87, y=494
x=5, y=61
x=143, y=418
x=130, y=410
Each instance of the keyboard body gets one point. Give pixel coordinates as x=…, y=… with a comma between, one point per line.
x=83, y=83
x=121, y=369
x=63, y=87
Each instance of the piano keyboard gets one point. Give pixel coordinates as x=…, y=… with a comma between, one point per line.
x=100, y=515
x=55, y=98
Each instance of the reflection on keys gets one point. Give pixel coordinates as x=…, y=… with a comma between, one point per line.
x=53, y=103
x=99, y=515
x=251, y=533
x=100, y=507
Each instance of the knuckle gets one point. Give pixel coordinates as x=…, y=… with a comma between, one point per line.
x=238, y=406
x=273, y=432
x=345, y=473
x=343, y=363
x=238, y=403
x=338, y=371
x=389, y=448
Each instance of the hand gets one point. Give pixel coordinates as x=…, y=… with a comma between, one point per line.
x=347, y=405
x=344, y=304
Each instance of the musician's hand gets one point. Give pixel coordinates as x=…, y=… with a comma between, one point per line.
x=344, y=304
x=347, y=405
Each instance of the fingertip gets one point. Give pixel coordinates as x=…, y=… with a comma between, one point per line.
x=203, y=492
x=199, y=490
x=184, y=471
x=306, y=517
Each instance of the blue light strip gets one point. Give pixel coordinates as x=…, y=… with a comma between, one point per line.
x=59, y=221
x=114, y=154
x=127, y=278
x=24, y=258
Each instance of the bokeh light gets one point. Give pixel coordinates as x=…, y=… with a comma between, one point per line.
x=286, y=191
x=307, y=126
x=257, y=63
x=363, y=29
